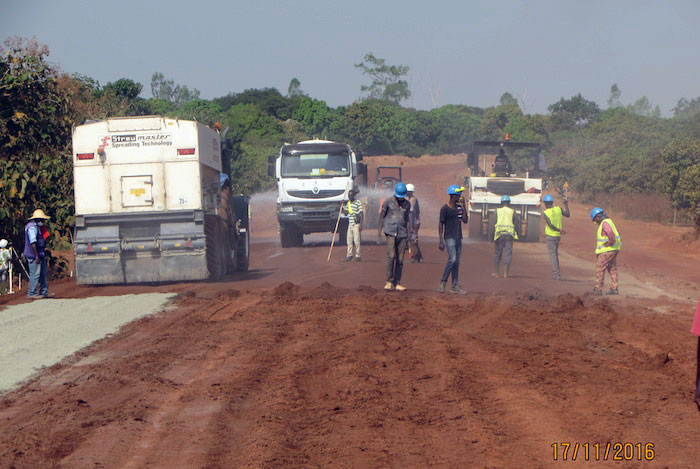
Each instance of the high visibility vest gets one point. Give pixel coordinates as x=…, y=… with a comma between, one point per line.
x=350, y=211
x=602, y=239
x=504, y=223
x=554, y=215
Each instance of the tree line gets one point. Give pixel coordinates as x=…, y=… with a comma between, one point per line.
x=621, y=148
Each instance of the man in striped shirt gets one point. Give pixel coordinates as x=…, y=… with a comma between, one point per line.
x=353, y=209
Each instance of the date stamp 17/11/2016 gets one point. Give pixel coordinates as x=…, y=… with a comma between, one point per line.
x=577, y=451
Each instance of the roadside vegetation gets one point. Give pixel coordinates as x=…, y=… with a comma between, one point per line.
x=605, y=154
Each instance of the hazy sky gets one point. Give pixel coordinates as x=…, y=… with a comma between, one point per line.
x=467, y=52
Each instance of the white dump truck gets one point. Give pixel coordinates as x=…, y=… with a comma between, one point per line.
x=313, y=178
x=151, y=203
x=493, y=176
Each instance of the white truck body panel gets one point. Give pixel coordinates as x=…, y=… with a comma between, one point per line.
x=136, y=166
x=479, y=195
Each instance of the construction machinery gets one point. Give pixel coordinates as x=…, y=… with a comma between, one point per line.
x=313, y=179
x=152, y=205
x=385, y=179
x=501, y=168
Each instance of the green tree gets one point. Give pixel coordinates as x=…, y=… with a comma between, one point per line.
x=317, y=118
x=686, y=108
x=294, y=88
x=35, y=130
x=680, y=175
x=615, y=93
x=387, y=80
x=507, y=98
x=161, y=88
x=573, y=112
x=125, y=88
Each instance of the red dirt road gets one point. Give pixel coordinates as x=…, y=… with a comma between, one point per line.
x=330, y=371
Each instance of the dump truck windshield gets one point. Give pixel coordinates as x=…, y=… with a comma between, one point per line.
x=316, y=165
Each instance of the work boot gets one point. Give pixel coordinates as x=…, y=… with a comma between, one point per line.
x=441, y=288
x=389, y=286
x=458, y=290
x=613, y=291
x=506, y=270
x=556, y=277
x=495, y=275
x=346, y=259
x=596, y=292
x=400, y=287
x=358, y=259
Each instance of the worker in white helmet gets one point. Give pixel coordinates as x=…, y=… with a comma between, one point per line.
x=5, y=259
x=416, y=254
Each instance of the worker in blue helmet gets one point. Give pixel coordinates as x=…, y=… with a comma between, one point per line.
x=394, y=218
x=554, y=229
x=450, y=235
x=505, y=229
x=608, y=245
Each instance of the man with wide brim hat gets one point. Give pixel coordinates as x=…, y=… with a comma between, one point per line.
x=35, y=235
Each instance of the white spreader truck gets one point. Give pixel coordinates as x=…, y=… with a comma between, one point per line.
x=493, y=176
x=313, y=178
x=152, y=205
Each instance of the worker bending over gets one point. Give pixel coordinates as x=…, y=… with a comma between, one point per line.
x=608, y=245
x=505, y=231
x=553, y=230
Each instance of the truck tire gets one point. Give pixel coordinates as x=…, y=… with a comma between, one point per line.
x=216, y=263
x=285, y=238
x=533, y=229
x=243, y=252
x=343, y=232
x=475, y=227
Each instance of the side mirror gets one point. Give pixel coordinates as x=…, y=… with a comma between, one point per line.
x=271, y=170
x=358, y=156
x=271, y=159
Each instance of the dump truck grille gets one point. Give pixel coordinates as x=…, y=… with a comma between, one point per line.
x=319, y=195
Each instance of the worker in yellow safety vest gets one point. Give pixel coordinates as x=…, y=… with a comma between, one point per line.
x=553, y=230
x=505, y=230
x=608, y=245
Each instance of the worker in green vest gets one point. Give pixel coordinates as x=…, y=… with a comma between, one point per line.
x=553, y=230
x=505, y=230
x=608, y=245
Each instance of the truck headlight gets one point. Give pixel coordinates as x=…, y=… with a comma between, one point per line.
x=287, y=208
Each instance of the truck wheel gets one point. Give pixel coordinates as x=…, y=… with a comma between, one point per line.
x=474, y=225
x=533, y=229
x=343, y=232
x=298, y=238
x=285, y=237
x=243, y=252
x=215, y=257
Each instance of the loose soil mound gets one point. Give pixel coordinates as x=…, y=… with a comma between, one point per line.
x=356, y=379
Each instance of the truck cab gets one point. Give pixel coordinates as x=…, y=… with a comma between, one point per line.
x=313, y=179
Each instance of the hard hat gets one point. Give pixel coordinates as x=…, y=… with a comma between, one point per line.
x=454, y=189
x=410, y=187
x=505, y=198
x=548, y=198
x=595, y=212
x=39, y=213
x=400, y=190
x=3, y=243
x=223, y=179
